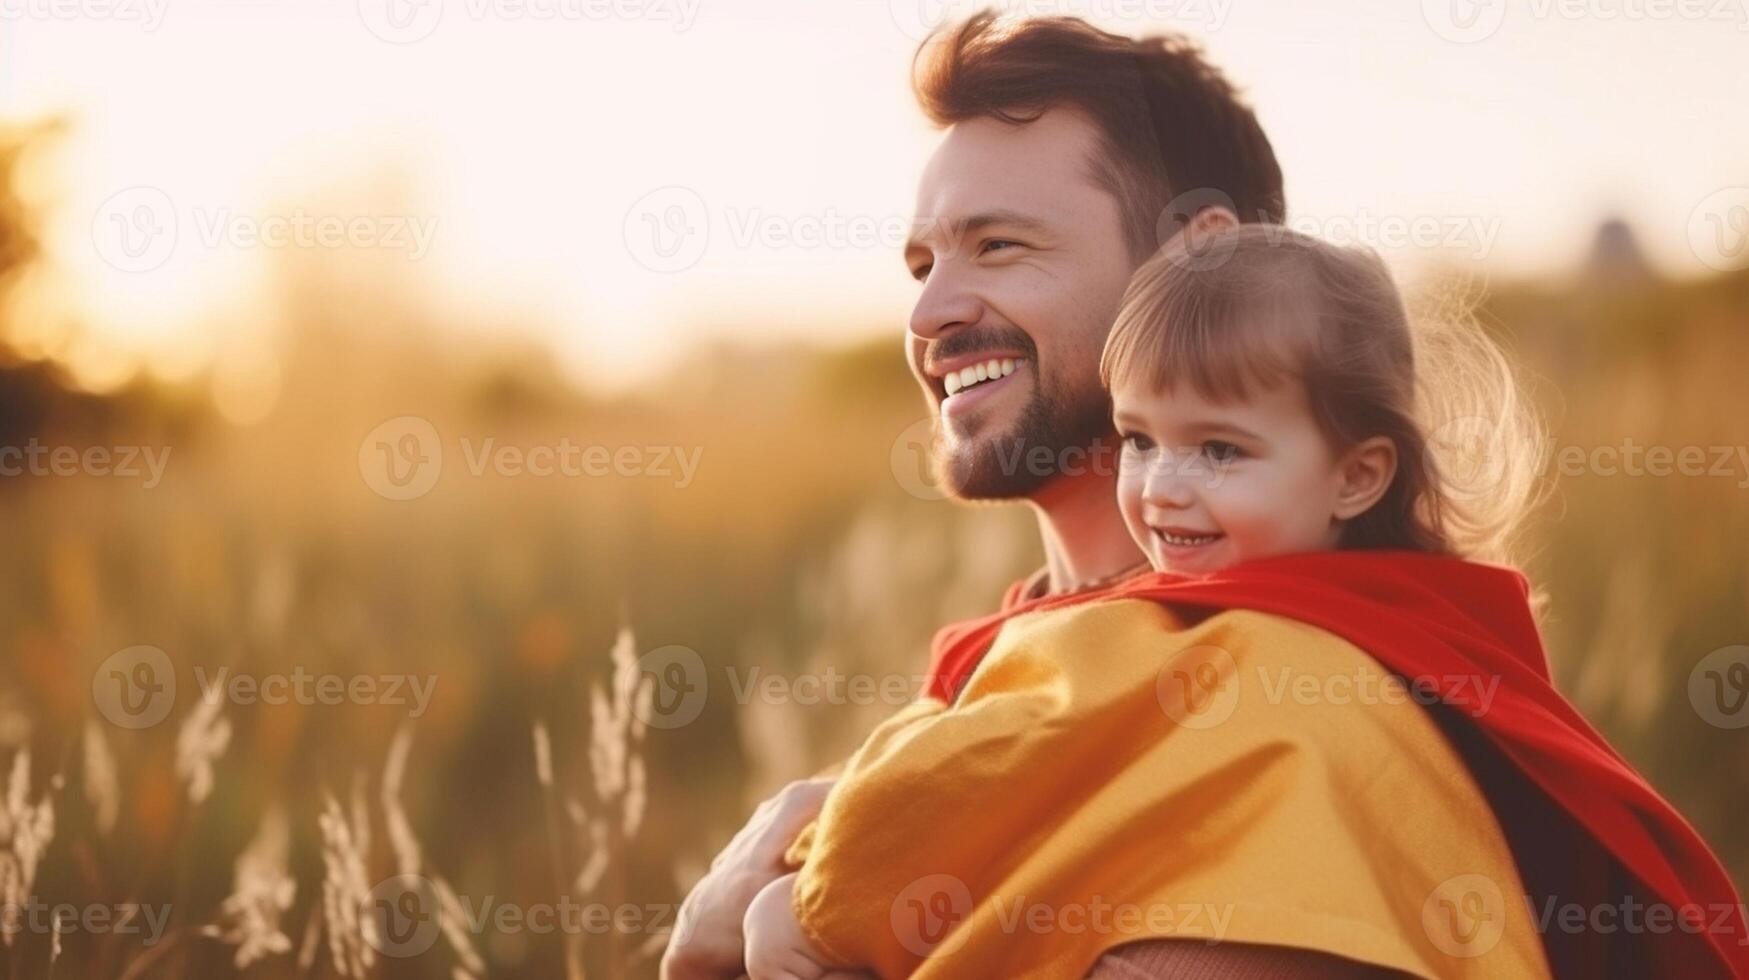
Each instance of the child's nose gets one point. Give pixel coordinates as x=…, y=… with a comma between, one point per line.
x=1167, y=485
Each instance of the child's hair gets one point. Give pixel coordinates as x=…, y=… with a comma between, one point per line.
x=1258, y=304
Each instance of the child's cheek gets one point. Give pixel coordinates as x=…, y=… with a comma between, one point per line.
x=1129, y=499
x=1242, y=506
x=1129, y=487
x=1261, y=516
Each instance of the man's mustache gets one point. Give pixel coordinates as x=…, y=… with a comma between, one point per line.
x=962, y=342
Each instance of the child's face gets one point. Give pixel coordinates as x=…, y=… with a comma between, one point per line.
x=1204, y=485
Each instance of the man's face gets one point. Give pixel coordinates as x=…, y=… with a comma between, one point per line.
x=1023, y=261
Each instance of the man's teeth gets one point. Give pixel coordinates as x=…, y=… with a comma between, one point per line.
x=1187, y=540
x=990, y=370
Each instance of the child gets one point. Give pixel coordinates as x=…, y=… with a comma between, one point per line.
x=1195, y=748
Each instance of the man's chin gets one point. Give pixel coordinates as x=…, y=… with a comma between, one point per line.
x=989, y=467
x=1003, y=456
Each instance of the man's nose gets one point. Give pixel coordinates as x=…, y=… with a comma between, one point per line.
x=946, y=303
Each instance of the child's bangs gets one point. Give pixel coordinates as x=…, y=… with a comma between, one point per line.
x=1226, y=331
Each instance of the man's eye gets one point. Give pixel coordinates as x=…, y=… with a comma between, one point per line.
x=995, y=244
x=1221, y=452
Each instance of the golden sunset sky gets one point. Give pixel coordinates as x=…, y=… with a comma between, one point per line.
x=622, y=177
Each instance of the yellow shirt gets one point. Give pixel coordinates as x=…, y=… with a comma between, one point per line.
x=1111, y=774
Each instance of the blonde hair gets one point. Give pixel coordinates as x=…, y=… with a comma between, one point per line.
x=1259, y=304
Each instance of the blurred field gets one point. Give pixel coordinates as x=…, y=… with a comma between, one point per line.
x=796, y=550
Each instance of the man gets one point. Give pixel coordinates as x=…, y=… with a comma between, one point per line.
x=1070, y=155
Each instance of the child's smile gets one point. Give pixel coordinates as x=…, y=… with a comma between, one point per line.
x=1183, y=549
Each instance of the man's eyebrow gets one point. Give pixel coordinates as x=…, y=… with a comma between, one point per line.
x=972, y=224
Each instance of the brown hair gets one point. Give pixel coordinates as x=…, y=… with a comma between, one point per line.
x=1174, y=135
x=1262, y=304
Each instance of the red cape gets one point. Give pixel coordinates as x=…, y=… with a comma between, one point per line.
x=1585, y=828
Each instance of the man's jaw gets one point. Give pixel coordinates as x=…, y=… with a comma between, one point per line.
x=1005, y=438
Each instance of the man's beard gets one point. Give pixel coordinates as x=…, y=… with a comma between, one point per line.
x=1031, y=452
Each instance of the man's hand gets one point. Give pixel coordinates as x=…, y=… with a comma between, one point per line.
x=776, y=946
x=708, y=942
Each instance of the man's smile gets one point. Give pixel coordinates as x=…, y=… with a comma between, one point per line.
x=993, y=369
x=975, y=383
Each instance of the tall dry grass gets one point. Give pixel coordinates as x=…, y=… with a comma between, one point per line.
x=533, y=776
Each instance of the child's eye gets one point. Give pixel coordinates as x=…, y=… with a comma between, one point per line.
x=1221, y=452
x=1137, y=442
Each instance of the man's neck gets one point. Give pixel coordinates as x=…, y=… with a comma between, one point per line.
x=1082, y=531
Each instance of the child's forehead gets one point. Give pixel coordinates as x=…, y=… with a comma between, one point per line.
x=1180, y=404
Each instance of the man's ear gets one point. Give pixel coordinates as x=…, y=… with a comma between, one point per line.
x=1210, y=220
x=1365, y=471
x=1193, y=237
